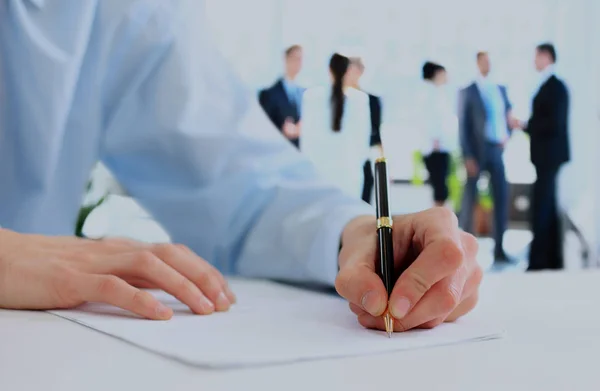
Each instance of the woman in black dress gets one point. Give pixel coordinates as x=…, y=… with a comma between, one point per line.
x=439, y=130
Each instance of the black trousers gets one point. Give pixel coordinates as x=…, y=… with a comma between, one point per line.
x=547, y=246
x=438, y=165
x=368, y=183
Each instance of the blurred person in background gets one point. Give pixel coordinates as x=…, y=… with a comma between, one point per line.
x=548, y=128
x=485, y=123
x=337, y=129
x=439, y=129
x=355, y=72
x=282, y=101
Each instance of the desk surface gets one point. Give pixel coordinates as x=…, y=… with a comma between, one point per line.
x=552, y=323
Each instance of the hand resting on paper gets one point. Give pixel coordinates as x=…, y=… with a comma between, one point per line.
x=441, y=280
x=42, y=272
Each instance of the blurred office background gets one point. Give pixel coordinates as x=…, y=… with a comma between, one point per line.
x=394, y=38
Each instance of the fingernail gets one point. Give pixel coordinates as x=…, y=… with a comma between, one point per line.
x=400, y=307
x=162, y=311
x=222, y=302
x=371, y=303
x=206, y=304
x=231, y=295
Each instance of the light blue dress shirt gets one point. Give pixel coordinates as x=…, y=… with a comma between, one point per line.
x=294, y=93
x=496, y=127
x=138, y=85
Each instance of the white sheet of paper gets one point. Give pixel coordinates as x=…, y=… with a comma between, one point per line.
x=270, y=324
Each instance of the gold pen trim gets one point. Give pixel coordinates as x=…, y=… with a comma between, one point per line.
x=381, y=159
x=385, y=222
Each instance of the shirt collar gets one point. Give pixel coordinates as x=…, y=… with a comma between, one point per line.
x=546, y=74
x=288, y=83
x=483, y=80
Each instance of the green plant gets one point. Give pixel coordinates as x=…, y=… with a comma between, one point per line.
x=84, y=212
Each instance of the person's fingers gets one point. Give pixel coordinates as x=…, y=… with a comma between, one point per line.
x=224, y=284
x=464, y=308
x=436, y=304
x=448, y=300
x=143, y=284
x=468, y=302
x=197, y=270
x=473, y=282
x=229, y=293
x=139, y=283
x=145, y=266
x=439, y=301
x=438, y=234
x=357, y=281
x=361, y=286
x=179, y=257
x=373, y=322
x=436, y=262
x=357, y=310
x=470, y=295
x=114, y=291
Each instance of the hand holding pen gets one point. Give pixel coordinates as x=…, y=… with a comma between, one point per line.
x=435, y=264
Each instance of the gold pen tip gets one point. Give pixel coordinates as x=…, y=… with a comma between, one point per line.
x=389, y=324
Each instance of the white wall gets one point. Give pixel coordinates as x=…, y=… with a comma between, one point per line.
x=593, y=18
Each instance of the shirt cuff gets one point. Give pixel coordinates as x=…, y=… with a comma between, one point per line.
x=323, y=258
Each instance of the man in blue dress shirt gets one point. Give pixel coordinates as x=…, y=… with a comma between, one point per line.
x=138, y=85
x=485, y=122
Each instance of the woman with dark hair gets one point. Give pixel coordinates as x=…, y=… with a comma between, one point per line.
x=439, y=130
x=337, y=129
x=355, y=72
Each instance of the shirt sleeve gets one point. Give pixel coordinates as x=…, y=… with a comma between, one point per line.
x=191, y=144
x=464, y=128
x=506, y=99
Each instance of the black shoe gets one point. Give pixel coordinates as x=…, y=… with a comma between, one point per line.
x=536, y=268
x=503, y=259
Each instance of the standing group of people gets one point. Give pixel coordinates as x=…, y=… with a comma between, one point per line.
x=341, y=123
x=334, y=127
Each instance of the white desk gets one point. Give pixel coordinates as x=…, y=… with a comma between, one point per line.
x=552, y=343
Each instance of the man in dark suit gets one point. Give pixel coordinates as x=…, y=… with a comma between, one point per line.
x=282, y=101
x=355, y=72
x=485, y=122
x=548, y=131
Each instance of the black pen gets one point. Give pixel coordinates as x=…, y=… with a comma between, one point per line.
x=384, y=233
